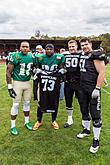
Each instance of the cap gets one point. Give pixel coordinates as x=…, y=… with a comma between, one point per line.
x=39, y=47
x=49, y=46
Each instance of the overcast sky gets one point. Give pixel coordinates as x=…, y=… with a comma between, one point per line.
x=21, y=18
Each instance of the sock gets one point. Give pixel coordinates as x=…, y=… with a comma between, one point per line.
x=26, y=119
x=69, y=111
x=70, y=118
x=96, y=132
x=86, y=124
x=13, y=123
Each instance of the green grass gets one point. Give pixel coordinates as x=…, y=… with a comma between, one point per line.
x=47, y=146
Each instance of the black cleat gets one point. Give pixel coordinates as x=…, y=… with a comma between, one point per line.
x=95, y=146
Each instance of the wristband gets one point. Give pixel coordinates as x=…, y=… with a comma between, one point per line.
x=10, y=86
x=98, y=88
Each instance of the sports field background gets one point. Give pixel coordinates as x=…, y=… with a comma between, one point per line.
x=47, y=146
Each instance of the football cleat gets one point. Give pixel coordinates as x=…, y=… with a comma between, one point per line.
x=14, y=131
x=83, y=134
x=37, y=125
x=95, y=146
x=68, y=124
x=28, y=126
x=55, y=125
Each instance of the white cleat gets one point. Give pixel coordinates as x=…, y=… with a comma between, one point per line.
x=83, y=134
x=68, y=124
x=95, y=146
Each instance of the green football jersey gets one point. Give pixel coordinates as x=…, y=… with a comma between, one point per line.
x=49, y=63
x=22, y=65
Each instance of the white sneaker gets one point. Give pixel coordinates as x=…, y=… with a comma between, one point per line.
x=95, y=146
x=83, y=134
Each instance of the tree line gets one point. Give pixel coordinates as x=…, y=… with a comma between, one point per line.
x=105, y=38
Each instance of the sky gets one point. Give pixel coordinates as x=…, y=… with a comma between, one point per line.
x=20, y=19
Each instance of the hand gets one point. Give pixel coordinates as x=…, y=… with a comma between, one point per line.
x=95, y=93
x=37, y=71
x=12, y=93
x=62, y=71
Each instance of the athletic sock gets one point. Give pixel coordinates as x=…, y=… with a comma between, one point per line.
x=26, y=119
x=96, y=132
x=13, y=123
x=86, y=124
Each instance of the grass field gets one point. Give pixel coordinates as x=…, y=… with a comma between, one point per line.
x=47, y=146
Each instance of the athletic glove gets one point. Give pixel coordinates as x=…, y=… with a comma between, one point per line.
x=11, y=91
x=95, y=93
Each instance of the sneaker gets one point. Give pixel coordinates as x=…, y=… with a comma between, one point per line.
x=14, y=131
x=55, y=125
x=83, y=134
x=28, y=126
x=68, y=124
x=37, y=125
x=95, y=146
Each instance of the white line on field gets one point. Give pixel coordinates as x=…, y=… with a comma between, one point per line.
x=105, y=91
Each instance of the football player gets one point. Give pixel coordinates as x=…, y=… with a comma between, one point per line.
x=18, y=81
x=50, y=68
x=72, y=84
x=92, y=72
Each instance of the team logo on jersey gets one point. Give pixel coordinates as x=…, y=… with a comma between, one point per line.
x=17, y=57
x=39, y=58
x=58, y=58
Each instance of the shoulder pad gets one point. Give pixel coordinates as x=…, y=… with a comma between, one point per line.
x=39, y=55
x=66, y=52
x=98, y=55
x=59, y=56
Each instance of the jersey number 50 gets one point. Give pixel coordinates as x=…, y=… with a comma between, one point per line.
x=71, y=62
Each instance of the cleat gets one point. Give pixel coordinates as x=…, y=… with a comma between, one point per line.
x=55, y=125
x=28, y=126
x=83, y=134
x=68, y=124
x=14, y=131
x=37, y=125
x=95, y=146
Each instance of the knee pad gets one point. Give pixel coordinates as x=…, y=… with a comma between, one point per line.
x=26, y=106
x=97, y=123
x=14, y=109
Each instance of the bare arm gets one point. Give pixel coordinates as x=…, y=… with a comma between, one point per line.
x=9, y=71
x=100, y=67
